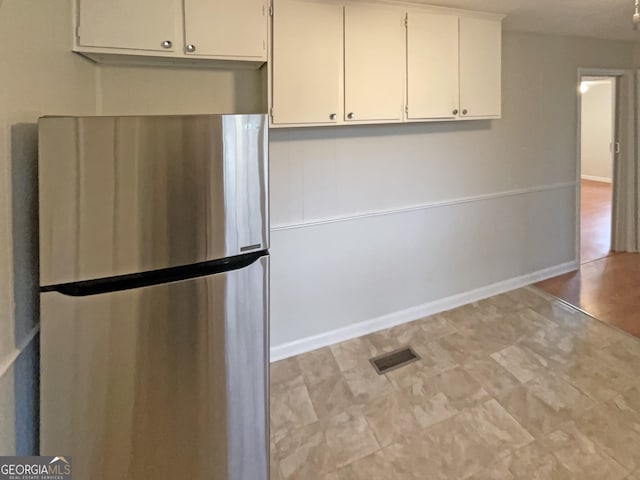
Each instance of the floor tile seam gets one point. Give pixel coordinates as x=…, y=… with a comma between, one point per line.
x=635, y=413
x=604, y=449
x=508, y=413
x=637, y=385
x=605, y=454
x=386, y=379
x=501, y=453
x=571, y=380
x=281, y=457
x=594, y=402
x=324, y=421
x=413, y=403
x=460, y=411
x=597, y=401
x=504, y=392
x=313, y=403
x=375, y=436
x=357, y=458
x=363, y=406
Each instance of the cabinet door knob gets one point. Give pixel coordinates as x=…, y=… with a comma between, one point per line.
x=191, y=48
x=350, y=115
x=455, y=111
x=333, y=116
x=464, y=112
x=167, y=44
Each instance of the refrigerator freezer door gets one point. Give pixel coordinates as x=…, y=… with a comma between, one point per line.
x=162, y=382
x=122, y=195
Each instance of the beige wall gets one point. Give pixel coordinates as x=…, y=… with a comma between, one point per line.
x=597, y=130
x=155, y=90
x=38, y=75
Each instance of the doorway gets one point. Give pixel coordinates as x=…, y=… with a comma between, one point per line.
x=597, y=155
x=606, y=287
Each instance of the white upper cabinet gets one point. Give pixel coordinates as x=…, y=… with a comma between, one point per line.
x=307, y=62
x=374, y=49
x=226, y=28
x=130, y=24
x=480, y=67
x=432, y=65
x=337, y=62
x=188, y=30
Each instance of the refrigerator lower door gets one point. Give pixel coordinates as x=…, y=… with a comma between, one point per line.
x=163, y=382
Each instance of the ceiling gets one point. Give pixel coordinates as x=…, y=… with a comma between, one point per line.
x=610, y=19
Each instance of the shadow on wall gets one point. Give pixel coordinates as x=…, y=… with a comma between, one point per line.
x=24, y=183
x=243, y=82
x=387, y=129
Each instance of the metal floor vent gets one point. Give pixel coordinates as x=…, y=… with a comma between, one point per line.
x=390, y=361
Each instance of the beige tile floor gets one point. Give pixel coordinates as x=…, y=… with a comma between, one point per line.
x=518, y=386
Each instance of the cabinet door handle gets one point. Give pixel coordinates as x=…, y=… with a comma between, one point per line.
x=191, y=48
x=167, y=44
x=455, y=111
x=464, y=112
x=350, y=115
x=333, y=116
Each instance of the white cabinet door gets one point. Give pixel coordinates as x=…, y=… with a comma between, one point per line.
x=480, y=67
x=130, y=24
x=307, y=62
x=432, y=65
x=226, y=28
x=374, y=47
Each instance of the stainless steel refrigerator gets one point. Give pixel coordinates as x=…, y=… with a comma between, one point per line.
x=154, y=274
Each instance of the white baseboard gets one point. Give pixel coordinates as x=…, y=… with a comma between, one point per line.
x=596, y=179
x=349, y=332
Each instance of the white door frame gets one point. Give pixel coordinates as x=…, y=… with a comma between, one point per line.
x=591, y=72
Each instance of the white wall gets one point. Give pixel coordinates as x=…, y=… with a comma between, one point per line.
x=330, y=275
x=597, y=130
x=38, y=75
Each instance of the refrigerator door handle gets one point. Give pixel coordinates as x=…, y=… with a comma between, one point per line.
x=155, y=277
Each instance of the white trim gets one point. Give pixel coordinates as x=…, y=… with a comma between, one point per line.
x=588, y=72
x=10, y=359
x=314, y=342
x=600, y=72
x=596, y=179
x=425, y=206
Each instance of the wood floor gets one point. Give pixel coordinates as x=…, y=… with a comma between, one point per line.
x=607, y=286
x=595, y=224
